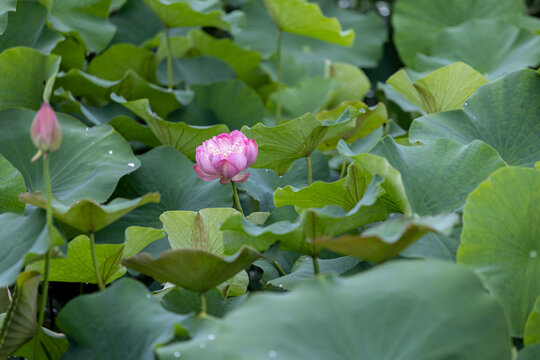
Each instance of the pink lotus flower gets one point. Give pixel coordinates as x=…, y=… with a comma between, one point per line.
x=45, y=131
x=224, y=157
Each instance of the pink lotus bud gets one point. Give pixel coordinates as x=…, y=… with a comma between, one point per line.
x=225, y=156
x=45, y=131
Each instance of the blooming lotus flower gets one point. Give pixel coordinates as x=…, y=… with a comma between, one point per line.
x=224, y=157
x=45, y=131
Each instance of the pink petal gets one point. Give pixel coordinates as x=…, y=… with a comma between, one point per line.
x=226, y=169
x=204, y=162
x=203, y=175
x=224, y=181
x=240, y=177
x=251, y=152
x=238, y=160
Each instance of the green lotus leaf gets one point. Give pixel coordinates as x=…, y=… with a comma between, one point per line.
x=88, y=18
x=87, y=215
x=473, y=43
x=78, y=265
x=87, y=165
x=20, y=322
x=72, y=51
x=183, y=137
x=134, y=23
x=193, y=269
x=27, y=77
x=118, y=59
x=348, y=191
x=303, y=18
x=413, y=290
x=27, y=27
x=53, y=345
x=280, y=145
x=230, y=102
x=179, y=186
x=5, y=8
x=312, y=223
x=302, y=270
x=501, y=223
x=507, y=123
x=444, y=89
x=12, y=185
x=367, y=121
x=418, y=23
x=241, y=60
x=193, y=13
x=130, y=322
x=262, y=183
x=532, y=326
x=196, y=230
x=200, y=70
x=531, y=352
x=384, y=241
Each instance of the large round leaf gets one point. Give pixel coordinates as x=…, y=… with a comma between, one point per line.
x=473, y=43
x=31, y=238
x=502, y=113
x=302, y=18
x=417, y=23
x=193, y=269
x=26, y=74
x=438, y=177
x=11, y=187
x=392, y=312
x=27, y=27
x=500, y=239
x=171, y=174
x=88, y=164
x=88, y=18
x=124, y=321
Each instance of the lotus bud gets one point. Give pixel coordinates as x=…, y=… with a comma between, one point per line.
x=224, y=157
x=45, y=131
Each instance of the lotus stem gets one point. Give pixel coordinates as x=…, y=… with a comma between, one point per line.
x=45, y=288
x=315, y=265
x=236, y=198
x=309, y=170
x=203, y=303
x=99, y=280
x=278, y=68
x=169, y=59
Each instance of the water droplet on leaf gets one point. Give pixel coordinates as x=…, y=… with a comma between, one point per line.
x=272, y=354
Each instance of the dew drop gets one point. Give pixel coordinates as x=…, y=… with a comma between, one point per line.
x=110, y=152
x=533, y=254
x=202, y=345
x=131, y=164
x=148, y=296
x=177, y=354
x=211, y=337
x=272, y=354
x=280, y=285
x=465, y=104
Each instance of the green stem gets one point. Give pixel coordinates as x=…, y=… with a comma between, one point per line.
x=45, y=288
x=278, y=66
x=309, y=170
x=343, y=167
x=315, y=265
x=236, y=198
x=203, y=303
x=169, y=59
x=279, y=268
x=99, y=280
